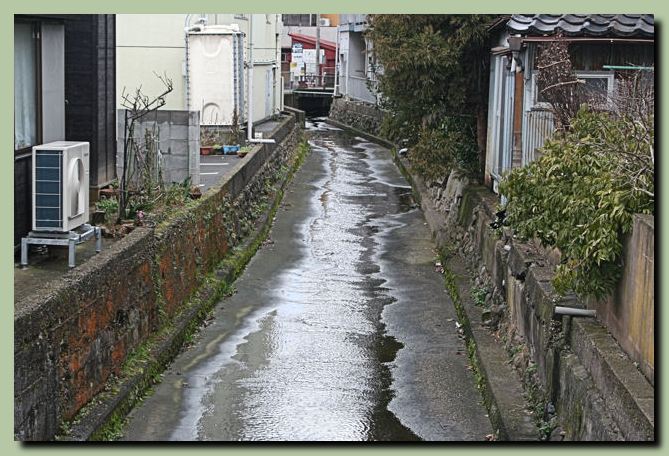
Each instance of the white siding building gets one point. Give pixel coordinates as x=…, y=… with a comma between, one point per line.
x=157, y=43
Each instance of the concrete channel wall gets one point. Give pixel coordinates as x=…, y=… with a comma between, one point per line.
x=74, y=335
x=595, y=386
x=590, y=378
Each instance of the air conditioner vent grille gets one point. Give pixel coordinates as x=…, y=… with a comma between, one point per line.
x=48, y=189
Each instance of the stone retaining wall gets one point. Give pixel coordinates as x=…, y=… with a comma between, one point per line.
x=593, y=385
x=357, y=114
x=73, y=335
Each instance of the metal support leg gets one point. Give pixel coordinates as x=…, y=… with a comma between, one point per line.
x=71, y=257
x=98, y=239
x=24, y=252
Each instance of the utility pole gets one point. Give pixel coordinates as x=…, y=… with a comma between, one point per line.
x=318, y=47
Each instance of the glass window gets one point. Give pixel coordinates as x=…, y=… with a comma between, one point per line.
x=25, y=86
x=597, y=88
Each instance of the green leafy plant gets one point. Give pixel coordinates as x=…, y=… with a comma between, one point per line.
x=109, y=206
x=449, y=144
x=580, y=196
x=478, y=295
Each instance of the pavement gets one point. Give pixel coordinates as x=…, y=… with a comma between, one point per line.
x=213, y=168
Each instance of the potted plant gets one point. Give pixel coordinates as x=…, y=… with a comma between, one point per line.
x=241, y=153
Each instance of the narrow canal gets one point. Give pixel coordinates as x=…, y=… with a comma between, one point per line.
x=340, y=328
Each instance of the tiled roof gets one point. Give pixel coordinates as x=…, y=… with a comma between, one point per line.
x=595, y=25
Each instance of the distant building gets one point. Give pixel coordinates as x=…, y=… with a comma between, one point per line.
x=149, y=43
x=357, y=62
x=304, y=69
x=64, y=89
x=603, y=47
x=306, y=26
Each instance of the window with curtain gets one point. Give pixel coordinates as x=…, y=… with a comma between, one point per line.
x=25, y=86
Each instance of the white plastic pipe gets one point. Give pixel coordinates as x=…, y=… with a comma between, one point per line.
x=249, y=121
x=573, y=312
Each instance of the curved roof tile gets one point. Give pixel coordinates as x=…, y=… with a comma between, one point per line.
x=597, y=25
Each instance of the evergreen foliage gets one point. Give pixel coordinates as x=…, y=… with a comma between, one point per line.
x=581, y=195
x=432, y=75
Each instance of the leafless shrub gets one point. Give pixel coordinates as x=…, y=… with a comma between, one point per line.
x=138, y=156
x=557, y=81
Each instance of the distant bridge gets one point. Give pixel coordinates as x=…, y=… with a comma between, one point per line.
x=314, y=101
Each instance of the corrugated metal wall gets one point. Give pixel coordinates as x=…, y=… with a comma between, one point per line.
x=537, y=127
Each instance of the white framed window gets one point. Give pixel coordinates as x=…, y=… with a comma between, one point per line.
x=599, y=85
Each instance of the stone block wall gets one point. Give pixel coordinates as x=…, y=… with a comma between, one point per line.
x=357, y=114
x=178, y=143
x=592, y=382
x=630, y=313
x=72, y=335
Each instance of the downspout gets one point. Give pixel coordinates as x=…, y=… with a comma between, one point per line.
x=187, y=88
x=277, y=62
x=348, y=63
x=318, y=49
x=249, y=121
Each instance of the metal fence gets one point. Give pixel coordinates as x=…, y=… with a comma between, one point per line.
x=309, y=80
x=358, y=88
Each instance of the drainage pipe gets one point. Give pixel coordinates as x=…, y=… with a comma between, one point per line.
x=574, y=312
x=249, y=121
x=335, y=91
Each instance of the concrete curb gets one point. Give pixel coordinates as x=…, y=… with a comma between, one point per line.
x=100, y=420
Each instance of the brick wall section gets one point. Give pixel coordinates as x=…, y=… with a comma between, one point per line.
x=72, y=335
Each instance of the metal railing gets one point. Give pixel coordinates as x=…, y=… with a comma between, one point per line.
x=358, y=88
x=309, y=80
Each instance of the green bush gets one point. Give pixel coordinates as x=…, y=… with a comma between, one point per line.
x=580, y=196
x=450, y=144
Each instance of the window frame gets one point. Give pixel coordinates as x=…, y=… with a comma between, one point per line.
x=37, y=34
x=543, y=106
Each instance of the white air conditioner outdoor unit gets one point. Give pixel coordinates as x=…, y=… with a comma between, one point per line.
x=325, y=22
x=60, y=186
